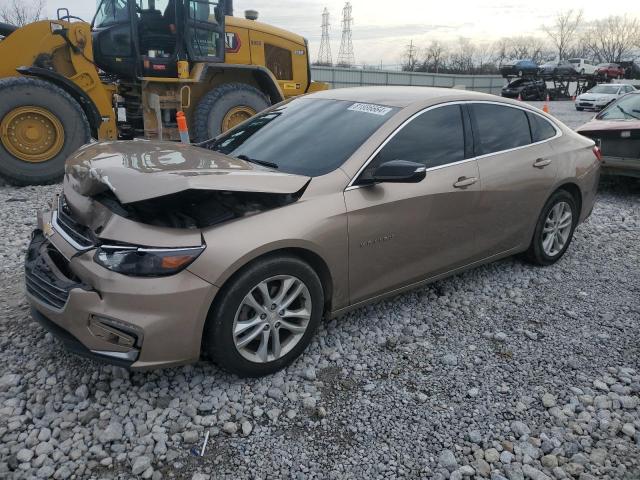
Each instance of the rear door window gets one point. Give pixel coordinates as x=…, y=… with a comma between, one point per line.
x=499, y=127
x=541, y=129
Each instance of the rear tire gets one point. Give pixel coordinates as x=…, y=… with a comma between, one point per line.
x=219, y=340
x=64, y=129
x=214, y=108
x=538, y=253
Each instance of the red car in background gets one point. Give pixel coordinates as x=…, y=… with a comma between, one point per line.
x=609, y=70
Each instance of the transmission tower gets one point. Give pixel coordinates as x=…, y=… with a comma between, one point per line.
x=324, y=55
x=346, y=58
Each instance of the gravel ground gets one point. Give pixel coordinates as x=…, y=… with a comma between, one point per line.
x=506, y=371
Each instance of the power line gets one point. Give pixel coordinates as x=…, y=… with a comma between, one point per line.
x=324, y=55
x=346, y=57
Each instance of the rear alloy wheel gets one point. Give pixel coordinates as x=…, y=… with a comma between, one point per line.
x=554, y=229
x=264, y=317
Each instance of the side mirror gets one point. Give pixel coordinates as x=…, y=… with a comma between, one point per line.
x=400, y=171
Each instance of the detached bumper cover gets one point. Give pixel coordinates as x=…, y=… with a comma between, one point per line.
x=74, y=345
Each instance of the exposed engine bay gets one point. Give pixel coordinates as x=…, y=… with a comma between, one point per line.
x=196, y=208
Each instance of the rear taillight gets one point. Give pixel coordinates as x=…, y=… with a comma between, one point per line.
x=597, y=152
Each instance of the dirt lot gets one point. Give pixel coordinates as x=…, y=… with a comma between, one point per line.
x=504, y=372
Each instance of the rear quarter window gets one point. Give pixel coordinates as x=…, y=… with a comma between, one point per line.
x=499, y=127
x=541, y=129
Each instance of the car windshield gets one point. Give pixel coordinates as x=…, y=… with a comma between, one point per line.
x=626, y=108
x=610, y=89
x=305, y=136
x=574, y=60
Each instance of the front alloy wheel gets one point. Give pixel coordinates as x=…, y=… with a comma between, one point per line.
x=272, y=318
x=264, y=316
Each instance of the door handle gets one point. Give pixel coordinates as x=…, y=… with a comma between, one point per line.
x=541, y=162
x=464, y=182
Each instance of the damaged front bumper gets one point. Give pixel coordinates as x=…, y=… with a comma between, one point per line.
x=138, y=323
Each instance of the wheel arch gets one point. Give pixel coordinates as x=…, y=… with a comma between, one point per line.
x=257, y=76
x=574, y=190
x=309, y=256
x=88, y=106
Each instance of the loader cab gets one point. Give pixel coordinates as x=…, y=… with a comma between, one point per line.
x=146, y=38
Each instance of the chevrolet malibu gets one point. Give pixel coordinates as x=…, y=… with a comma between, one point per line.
x=155, y=254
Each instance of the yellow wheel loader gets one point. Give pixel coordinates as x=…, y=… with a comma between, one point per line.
x=128, y=73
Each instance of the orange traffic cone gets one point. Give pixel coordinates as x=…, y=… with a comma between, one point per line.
x=545, y=107
x=182, y=127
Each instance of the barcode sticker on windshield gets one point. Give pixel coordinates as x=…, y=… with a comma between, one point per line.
x=369, y=108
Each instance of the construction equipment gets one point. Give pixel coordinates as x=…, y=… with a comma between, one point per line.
x=128, y=73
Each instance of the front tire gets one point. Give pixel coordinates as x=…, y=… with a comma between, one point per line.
x=225, y=107
x=41, y=125
x=265, y=317
x=554, y=229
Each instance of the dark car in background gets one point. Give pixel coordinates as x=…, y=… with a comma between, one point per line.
x=518, y=68
x=526, y=89
x=616, y=130
x=557, y=69
x=631, y=69
x=609, y=70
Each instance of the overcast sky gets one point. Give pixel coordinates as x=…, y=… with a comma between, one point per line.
x=382, y=29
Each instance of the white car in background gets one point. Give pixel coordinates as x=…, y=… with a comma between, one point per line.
x=602, y=95
x=582, y=66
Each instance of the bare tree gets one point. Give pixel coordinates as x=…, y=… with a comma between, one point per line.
x=520, y=48
x=462, y=57
x=410, y=58
x=21, y=12
x=564, y=30
x=613, y=38
x=484, y=59
x=434, y=57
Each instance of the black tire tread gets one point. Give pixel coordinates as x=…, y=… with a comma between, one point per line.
x=7, y=85
x=534, y=253
x=208, y=101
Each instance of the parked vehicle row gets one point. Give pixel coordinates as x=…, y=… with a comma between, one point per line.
x=568, y=68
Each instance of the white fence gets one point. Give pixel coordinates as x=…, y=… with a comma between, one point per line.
x=351, y=77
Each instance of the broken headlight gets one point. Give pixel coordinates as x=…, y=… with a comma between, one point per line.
x=146, y=262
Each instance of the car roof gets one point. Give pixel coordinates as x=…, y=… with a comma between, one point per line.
x=401, y=96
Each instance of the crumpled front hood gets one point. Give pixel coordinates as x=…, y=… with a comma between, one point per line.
x=142, y=170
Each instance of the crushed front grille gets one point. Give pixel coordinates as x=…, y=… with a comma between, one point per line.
x=80, y=234
x=45, y=284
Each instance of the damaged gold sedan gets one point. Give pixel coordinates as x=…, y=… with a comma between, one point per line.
x=155, y=254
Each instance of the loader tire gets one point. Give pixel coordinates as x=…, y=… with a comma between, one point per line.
x=41, y=125
x=226, y=106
